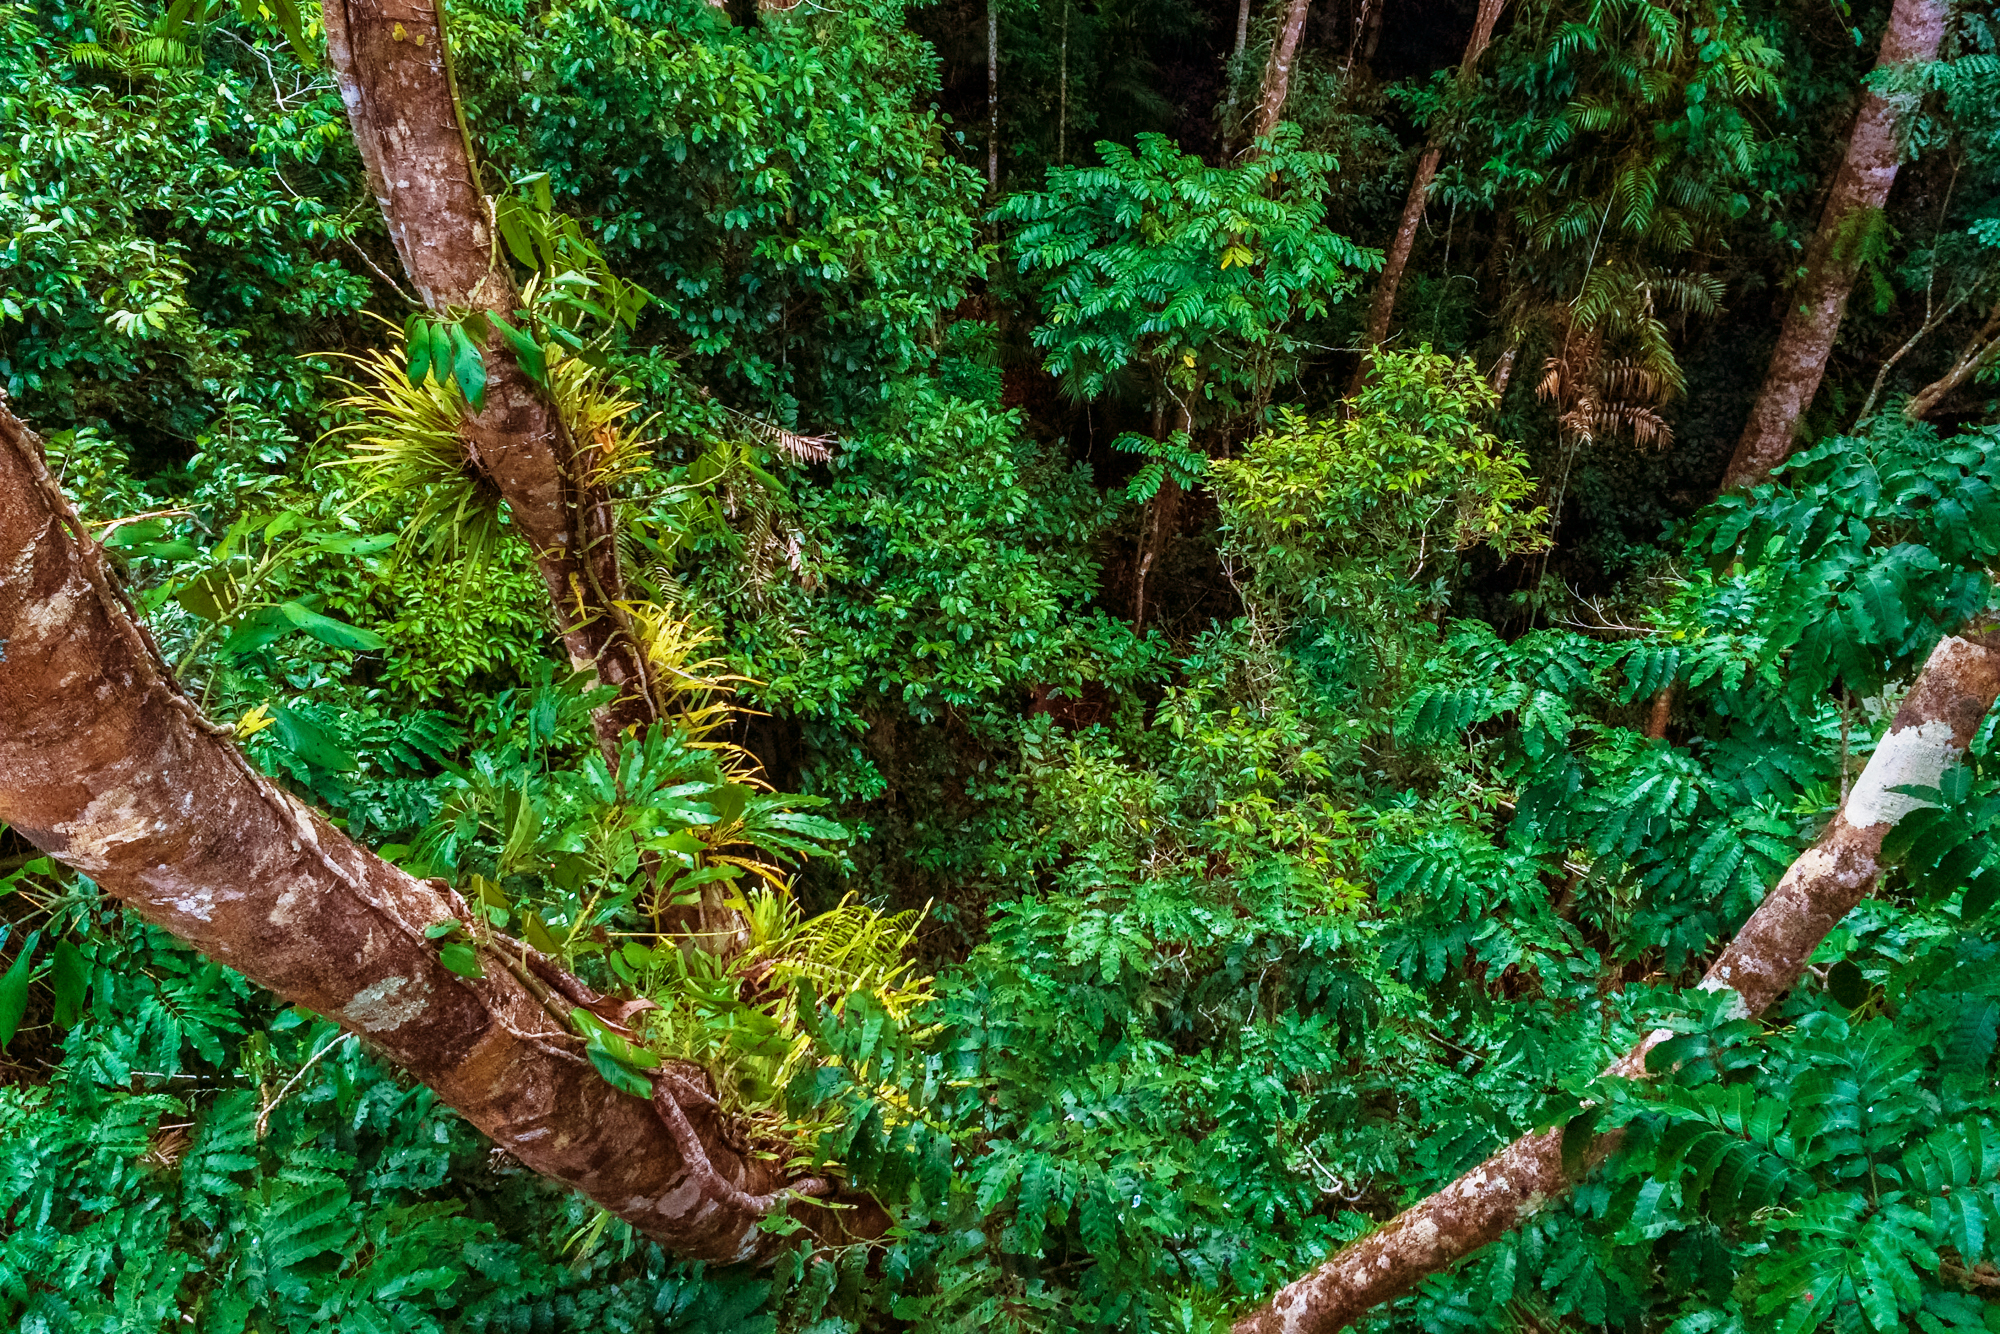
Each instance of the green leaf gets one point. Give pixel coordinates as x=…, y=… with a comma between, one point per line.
x=309, y=741
x=439, y=335
x=461, y=958
x=1578, y=1133
x=468, y=368
x=528, y=354
x=620, y=1077
x=14, y=990
x=1980, y=892
x=210, y=595
x=69, y=978
x=417, y=336
x=356, y=544
x=536, y=933
x=329, y=631
x=260, y=628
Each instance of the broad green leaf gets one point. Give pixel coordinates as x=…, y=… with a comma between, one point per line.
x=329, y=631
x=210, y=595
x=69, y=978
x=14, y=990
x=461, y=958
x=310, y=742
x=468, y=368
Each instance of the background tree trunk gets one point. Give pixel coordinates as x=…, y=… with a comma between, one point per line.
x=1937, y=720
x=1397, y=257
x=1832, y=260
x=395, y=77
x=1232, y=73
x=107, y=767
x=1278, y=73
x=993, y=95
x=1984, y=348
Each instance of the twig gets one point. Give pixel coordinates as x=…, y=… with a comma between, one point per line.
x=113, y=525
x=264, y=1116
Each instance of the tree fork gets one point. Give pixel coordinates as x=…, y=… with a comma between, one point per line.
x=106, y=766
x=394, y=70
x=1944, y=709
x=1814, y=309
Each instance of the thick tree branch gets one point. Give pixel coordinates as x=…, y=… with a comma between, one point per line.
x=107, y=767
x=1815, y=307
x=1937, y=720
x=394, y=70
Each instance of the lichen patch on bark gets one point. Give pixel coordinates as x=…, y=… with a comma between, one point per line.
x=1908, y=757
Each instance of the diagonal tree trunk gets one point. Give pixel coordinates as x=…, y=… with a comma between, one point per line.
x=1981, y=351
x=107, y=767
x=1398, y=256
x=1278, y=73
x=395, y=76
x=1832, y=259
x=1938, y=719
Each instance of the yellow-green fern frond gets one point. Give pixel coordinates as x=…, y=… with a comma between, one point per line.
x=611, y=451
x=694, y=690
x=406, y=447
x=848, y=949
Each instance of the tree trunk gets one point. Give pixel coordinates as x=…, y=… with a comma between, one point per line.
x=1163, y=516
x=1939, y=717
x=1232, y=75
x=1661, y=714
x=1832, y=259
x=1984, y=347
x=107, y=767
x=1398, y=256
x=1278, y=73
x=993, y=95
x=395, y=76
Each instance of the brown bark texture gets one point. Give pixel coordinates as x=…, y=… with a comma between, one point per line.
x=1397, y=258
x=107, y=767
x=1661, y=714
x=1937, y=720
x=1832, y=262
x=1983, y=349
x=395, y=77
x=992, y=95
x=1278, y=72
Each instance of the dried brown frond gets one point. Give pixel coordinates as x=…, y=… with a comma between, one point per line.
x=801, y=449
